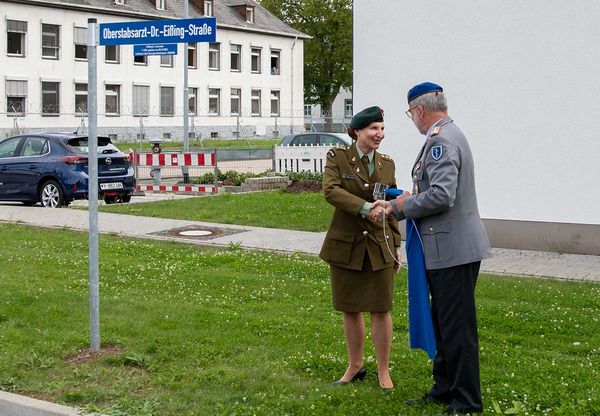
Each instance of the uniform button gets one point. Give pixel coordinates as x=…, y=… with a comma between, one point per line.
x=366, y=185
x=365, y=232
x=363, y=216
x=431, y=229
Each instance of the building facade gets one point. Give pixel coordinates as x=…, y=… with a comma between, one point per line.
x=247, y=83
x=341, y=113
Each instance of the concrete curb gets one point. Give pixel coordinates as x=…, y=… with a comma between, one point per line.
x=16, y=405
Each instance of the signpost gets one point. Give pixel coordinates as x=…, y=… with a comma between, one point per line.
x=156, y=37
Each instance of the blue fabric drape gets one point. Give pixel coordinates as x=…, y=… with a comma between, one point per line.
x=420, y=325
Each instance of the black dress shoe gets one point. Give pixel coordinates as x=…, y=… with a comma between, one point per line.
x=426, y=399
x=360, y=375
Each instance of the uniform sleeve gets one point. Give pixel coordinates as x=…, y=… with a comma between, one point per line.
x=442, y=171
x=334, y=193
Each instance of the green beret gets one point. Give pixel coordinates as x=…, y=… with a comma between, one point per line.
x=366, y=117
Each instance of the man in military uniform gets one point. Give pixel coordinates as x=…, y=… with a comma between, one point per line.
x=444, y=205
x=361, y=253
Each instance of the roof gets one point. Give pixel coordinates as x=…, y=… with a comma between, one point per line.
x=227, y=17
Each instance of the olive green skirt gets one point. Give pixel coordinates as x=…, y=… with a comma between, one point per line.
x=362, y=290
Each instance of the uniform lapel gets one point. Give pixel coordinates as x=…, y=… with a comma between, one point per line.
x=377, y=171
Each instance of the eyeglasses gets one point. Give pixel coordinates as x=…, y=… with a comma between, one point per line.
x=408, y=112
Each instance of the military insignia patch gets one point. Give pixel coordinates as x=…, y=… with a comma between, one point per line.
x=436, y=152
x=331, y=153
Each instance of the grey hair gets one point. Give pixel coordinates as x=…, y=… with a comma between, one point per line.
x=432, y=101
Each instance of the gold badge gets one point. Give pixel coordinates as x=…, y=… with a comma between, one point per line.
x=357, y=170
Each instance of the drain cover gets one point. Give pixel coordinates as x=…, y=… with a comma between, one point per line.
x=195, y=233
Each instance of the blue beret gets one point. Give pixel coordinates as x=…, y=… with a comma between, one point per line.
x=421, y=89
x=366, y=117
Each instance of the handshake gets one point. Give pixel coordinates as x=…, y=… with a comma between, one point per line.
x=381, y=208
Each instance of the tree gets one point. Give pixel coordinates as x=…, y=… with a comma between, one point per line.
x=328, y=55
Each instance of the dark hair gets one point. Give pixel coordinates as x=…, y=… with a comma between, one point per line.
x=352, y=133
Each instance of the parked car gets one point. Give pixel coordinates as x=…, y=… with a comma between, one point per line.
x=52, y=168
x=317, y=139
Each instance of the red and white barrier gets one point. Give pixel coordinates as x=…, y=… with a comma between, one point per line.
x=207, y=159
x=178, y=188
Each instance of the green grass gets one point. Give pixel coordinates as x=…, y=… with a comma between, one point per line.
x=307, y=211
x=226, y=331
x=196, y=145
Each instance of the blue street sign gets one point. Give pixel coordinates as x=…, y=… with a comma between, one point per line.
x=142, y=50
x=159, y=32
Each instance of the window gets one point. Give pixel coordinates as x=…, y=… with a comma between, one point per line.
x=112, y=54
x=192, y=55
x=236, y=57
x=81, y=96
x=307, y=110
x=16, y=97
x=275, y=55
x=250, y=14
x=140, y=60
x=214, y=101
x=8, y=147
x=34, y=146
x=15, y=36
x=112, y=104
x=306, y=140
x=236, y=99
x=141, y=100
x=193, y=101
x=166, y=60
x=161, y=4
x=274, y=103
x=167, y=101
x=50, y=41
x=214, y=53
x=80, y=41
x=50, y=98
x=256, y=60
x=119, y=1
x=255, y=103
x=348, y=108
x=208, y=8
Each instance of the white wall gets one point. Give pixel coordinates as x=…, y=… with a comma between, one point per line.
x=522, y=82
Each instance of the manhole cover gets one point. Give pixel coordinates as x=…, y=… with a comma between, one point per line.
x=195, y=233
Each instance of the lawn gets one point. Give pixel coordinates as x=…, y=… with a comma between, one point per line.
x=306, y=211
x=197, y=145
x=201, y=331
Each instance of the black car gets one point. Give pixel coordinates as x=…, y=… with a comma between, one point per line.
x=52, y=168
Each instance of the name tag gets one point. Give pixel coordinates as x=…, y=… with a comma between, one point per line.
x=352, y=177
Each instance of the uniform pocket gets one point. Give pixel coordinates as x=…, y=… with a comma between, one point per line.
x=387, y=248
x=338, y=247
x=436, y=240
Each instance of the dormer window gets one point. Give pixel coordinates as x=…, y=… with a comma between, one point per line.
x=121, y=2
x=208, y=8
x=249, y=14
x=161, y=4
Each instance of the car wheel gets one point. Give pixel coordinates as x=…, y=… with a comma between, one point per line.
x=110, y=200
x=51, y=195
x=126, y=198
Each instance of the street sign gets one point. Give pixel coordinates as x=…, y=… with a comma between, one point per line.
x=159, y=32
x=142, y=50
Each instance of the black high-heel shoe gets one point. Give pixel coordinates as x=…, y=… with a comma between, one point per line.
x=360, y=375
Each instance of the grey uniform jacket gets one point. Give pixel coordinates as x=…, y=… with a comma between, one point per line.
x=444, y=201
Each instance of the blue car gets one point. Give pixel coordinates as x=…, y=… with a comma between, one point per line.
x=52, y=168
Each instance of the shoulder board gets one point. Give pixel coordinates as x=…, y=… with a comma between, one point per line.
x=386, y=157
x=332, y=152
x=436, y=131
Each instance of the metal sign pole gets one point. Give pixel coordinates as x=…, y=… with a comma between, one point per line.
x=186, y=100
x=93, y=187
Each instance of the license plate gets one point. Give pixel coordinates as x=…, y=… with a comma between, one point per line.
x=111, y=185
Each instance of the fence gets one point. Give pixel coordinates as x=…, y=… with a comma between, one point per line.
x=300, y=158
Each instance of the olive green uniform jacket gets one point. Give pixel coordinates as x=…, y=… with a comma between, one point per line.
x=347, y=187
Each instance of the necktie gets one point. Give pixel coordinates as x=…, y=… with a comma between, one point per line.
x=365, y=162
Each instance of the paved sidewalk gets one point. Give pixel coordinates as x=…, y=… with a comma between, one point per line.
x=505, y=261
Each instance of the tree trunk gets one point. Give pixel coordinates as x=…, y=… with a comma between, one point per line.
x=328, y=116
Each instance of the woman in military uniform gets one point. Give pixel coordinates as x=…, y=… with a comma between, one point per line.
x=360, y=250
